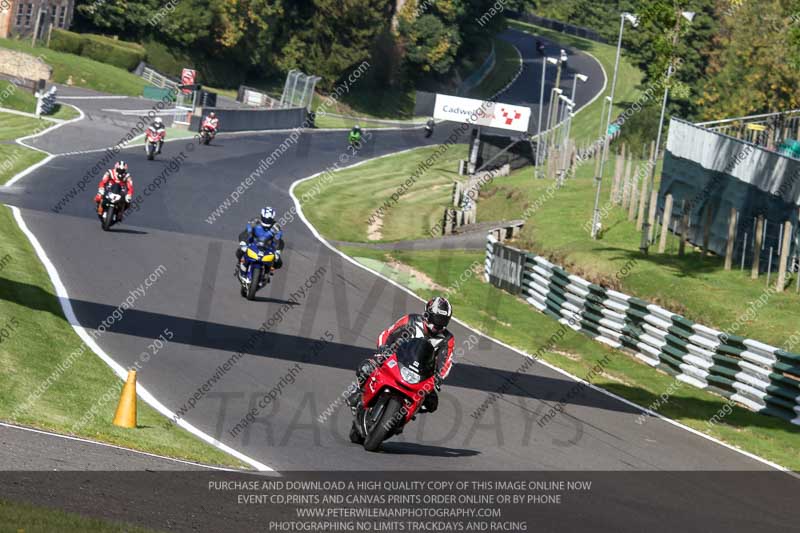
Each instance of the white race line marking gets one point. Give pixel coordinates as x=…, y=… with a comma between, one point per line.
x=508, y=346
x=142, y=392
x=116, y=447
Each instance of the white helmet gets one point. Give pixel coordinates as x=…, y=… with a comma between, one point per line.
x=267, y=217
x=158, y=122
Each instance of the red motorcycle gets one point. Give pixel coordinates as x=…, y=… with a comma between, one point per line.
x=394, y=393
x=153, y=141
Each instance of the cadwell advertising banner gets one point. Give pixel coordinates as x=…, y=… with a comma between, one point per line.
x=482, y=113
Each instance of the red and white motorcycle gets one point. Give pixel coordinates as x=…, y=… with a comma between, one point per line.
x=153, y=140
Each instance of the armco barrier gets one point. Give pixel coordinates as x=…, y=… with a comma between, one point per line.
x=763, y=378
x=255, y=119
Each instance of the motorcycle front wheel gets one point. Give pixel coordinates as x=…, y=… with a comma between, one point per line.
x=380, y=421
x=254, y=279
x=108, y=217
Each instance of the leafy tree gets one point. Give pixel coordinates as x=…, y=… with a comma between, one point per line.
x=430, y=45
x=751, y=70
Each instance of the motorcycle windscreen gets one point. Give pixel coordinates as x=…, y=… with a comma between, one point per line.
x=419, y=355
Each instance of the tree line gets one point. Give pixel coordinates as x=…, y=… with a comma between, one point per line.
x=406, y=41
x=737, y=57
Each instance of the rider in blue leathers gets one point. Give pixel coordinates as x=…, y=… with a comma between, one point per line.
x=263, y=229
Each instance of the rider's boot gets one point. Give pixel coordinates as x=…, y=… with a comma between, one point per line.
x=354, y=398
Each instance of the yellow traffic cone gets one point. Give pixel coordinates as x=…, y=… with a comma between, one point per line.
x=125, y=416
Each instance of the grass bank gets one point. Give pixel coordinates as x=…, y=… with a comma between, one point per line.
x=359, y=200
x=15, y=158
x=82, y=72
x=694, y=286
x=22, y=100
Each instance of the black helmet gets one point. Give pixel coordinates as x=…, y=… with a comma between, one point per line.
x=438, y=312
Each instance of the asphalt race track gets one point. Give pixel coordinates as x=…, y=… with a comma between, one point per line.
x=197, y=299
x=526, y=88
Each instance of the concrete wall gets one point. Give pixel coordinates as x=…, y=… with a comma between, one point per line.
x=24, y=66
x=255, y=119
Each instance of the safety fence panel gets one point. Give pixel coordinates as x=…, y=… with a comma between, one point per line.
x=758, y=376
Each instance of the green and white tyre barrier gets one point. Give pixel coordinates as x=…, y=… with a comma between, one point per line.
x=758, y=376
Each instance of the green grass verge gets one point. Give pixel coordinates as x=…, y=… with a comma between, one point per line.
x=347, y=204
x=586, y=124
x=15, y=158
x=82, y=72
x=513, y=321
x=40, y=338
x=507, y=62
x=14, y=126
x=13, y=97
x=22, y=517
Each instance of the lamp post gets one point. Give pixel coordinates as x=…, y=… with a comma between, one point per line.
x=583, y=78
x=552, y=61
x=602, y=116
x=555, y=92
x=644, y=244
x=554, y=116
x=599, y=178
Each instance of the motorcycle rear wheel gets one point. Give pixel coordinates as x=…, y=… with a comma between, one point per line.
x=384, y=427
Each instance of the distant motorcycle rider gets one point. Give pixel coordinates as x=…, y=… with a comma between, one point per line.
x=211, y=123
x=117, y=175
x=431, y=325
x=158, y=127
x=261, y=229
x=355, y=135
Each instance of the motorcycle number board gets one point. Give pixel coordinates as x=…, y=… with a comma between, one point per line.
x=482, y=113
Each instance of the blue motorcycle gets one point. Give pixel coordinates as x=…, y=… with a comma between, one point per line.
x=255, y=270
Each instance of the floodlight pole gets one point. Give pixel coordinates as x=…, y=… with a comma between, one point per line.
x=599, y=177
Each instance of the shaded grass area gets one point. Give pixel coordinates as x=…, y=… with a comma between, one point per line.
x=348, y=203
x=694, y=286
x=75, y=70
x=513, y=321
x=586, y=124
x=33, y=519
x=40, y=339
x=507, y=63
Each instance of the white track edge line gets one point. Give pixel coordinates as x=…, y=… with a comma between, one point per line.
x=512, y=348
x=118, y=369
x=116, y=447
